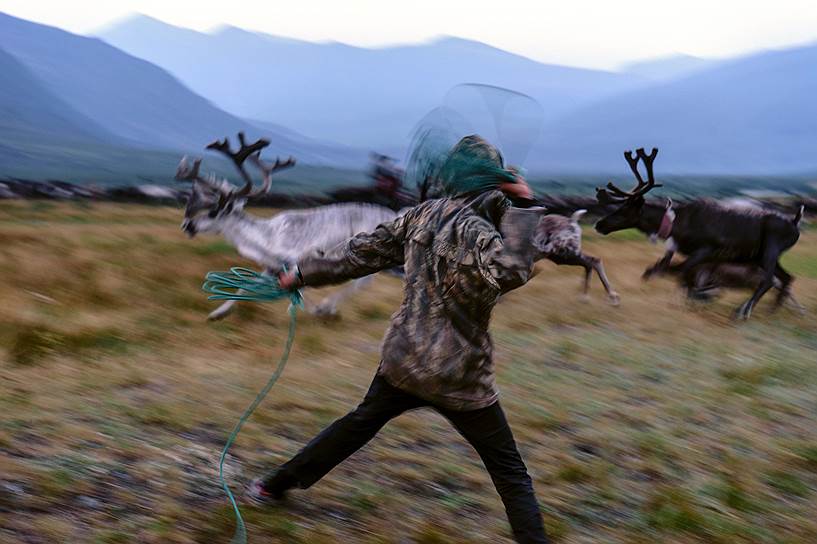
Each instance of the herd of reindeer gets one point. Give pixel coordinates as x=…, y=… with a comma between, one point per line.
x=725, y=247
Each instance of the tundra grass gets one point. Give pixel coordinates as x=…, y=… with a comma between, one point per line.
x=658, y=421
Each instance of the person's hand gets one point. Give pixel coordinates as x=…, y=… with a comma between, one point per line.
x=288, y=280
x=519, y=189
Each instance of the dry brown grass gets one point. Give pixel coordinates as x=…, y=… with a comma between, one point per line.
x=654, y=422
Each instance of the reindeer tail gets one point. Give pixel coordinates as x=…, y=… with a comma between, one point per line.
x=577, y=215
x=799, y=215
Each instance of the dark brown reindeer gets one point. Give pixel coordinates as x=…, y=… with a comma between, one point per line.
x=704, y=231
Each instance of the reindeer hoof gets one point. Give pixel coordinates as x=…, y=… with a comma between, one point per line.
x=613, y=299
x=217, y=316
x=701, y=295
x=648, y=273
x=743, y=312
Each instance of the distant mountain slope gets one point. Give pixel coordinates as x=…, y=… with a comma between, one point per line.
x=128, y=96
x=755, y=114
x=27, y=106
x=358, y=96
x=81, y=101
x=666, y=68
x=41, y=136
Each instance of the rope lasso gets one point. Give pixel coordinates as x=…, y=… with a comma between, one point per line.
x=245, y=284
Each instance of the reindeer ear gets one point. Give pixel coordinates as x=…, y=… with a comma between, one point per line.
x=603, y=196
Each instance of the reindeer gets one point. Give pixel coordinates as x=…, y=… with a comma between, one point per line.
x=703, y=231
x=559, y=239
x=217, y=206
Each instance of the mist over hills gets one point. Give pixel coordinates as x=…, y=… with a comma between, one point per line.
x=667, y=68
x=80, y=93
x=126, y=95
x=69, y=104
x=354, y=95
x=28, y=106
x=751, y=115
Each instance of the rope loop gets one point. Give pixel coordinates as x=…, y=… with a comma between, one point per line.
x=245, y=284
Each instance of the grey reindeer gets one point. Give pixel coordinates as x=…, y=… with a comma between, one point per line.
x=217, y=206
x=559, y=239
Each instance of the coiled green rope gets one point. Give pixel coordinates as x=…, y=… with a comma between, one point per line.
x=246, y=284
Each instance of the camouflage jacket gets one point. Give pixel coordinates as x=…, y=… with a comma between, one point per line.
x=457, y=264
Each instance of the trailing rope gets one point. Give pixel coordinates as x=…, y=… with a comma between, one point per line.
x=246, y=284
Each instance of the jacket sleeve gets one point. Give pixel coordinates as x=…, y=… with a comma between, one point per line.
x=359, y=256
x=506, y=257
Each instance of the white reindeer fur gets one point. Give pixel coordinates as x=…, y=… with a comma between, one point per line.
x=288, y=236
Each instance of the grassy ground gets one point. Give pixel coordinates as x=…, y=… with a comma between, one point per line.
x=654, y=422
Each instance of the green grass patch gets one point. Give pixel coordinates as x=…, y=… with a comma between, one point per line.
x=730, y=490
x=374, y=313
x=746, y=380
x=808, y=454
x=674, y=510
x=787, y=483
x=213, y=247
x=573, y=473
x=627, y=235
x=30, y=344
x=800, y=264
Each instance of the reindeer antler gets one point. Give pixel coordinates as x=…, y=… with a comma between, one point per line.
x=238, y=157
x=187, y=172
x=612, y=194
x=268, y=170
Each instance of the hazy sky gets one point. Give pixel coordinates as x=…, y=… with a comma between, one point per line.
x=595, y=33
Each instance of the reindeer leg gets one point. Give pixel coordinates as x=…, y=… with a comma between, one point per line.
x=782, y=282
x=224, y=309
x=688, y=269
x=770, y=257
x=704, y=287
x=660, y=266
x=329, y=305
x=799, y=308
x=589, y=264
x=784, y=286
x=612, y=295
x=574, y=260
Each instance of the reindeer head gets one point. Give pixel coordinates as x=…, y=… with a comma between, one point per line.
x=211, y=200
x=628, y=214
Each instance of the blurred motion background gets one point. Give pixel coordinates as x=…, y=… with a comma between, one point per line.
x=659, y=421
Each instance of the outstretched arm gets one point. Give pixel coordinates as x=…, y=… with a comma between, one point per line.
x=507, y=256
x=360, y=256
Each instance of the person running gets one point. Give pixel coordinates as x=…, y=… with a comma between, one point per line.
x=437, y=352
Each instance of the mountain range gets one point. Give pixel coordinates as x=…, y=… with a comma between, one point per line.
x=354, y=95
x=749, y=115
x=752, y=115
x=83, y=93
x=127, y=103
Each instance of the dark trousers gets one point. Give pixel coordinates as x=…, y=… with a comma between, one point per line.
x=486, y=429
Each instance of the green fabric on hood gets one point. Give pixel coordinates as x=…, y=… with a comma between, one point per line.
x=474, y=166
